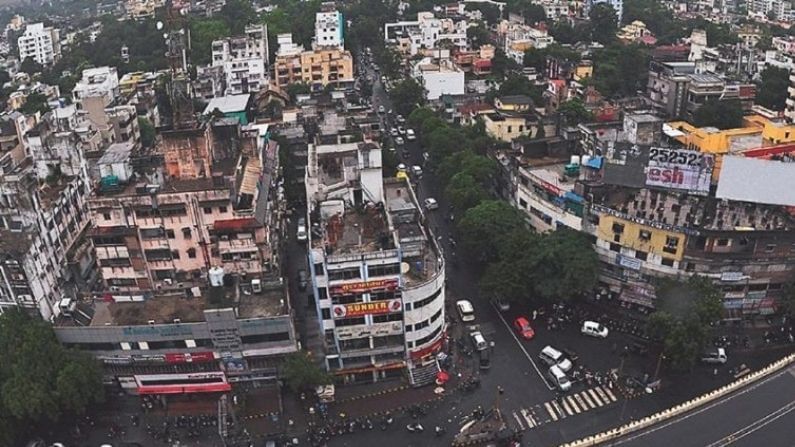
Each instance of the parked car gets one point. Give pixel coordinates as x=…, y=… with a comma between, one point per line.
x=594, y=329
x=522, y=326
x=399, y=141
x=394, y=132
x=410, y=135
x=381, y=110
x=430, y=204
x=501, y=304
x=559, y=378
x=715, y=356
x=300, y=232
x=401, y=130
x=552, y=357
x=484, y=357
x=478, y=341
x=400, y=119
x=465, y=310
x=302, y=279
x=416, y=171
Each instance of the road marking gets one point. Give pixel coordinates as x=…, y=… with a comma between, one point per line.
x=754, y=426
x=595, y=397
x=610, y=393
x=528, y=418
x=518, y=421
x=587, y=399
x=566, y=407
x=518, y=342
x=551, y=411
x=573, y=404
x=602, y=395
x=581, y=402
x=559, y=410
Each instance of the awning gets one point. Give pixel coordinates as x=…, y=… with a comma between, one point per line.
x=185, y=389
x=245, y=223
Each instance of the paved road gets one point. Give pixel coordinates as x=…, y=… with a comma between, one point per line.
x=760, y=415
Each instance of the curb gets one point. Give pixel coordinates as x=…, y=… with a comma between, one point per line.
x=663, y=415
x=375, y=394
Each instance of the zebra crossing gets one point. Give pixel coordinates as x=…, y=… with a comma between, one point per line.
x=566, y=406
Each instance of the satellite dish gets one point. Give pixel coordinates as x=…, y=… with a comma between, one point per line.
x=404, y=267
x=159, y=25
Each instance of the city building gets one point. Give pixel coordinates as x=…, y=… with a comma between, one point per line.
x=329, y=26
x=517, y=38
x=97, y=82
x=244, y=60
x=377, y=274
x=39, y=43
x=777, y=9
x=439, y=76
x=413, y=37
x=317, y=68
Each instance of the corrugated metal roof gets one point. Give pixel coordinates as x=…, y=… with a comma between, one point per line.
x=757, y=181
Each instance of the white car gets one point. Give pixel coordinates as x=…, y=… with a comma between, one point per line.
x=594, y=329
x=416, y=171
x=431, y=204
x=410, y=135
x=465, y=310
x=381, y=110
x=715, y=356
x=399, y=141
x=393, y=132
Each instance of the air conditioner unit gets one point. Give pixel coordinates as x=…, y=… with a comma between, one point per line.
x=114, y=288
x=168, y=281
x=224, y=237
x=151, y=322
x=177, y=320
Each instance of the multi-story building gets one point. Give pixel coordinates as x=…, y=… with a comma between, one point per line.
x=97, y=82
x=556, y=10
x=39, y=43
x=329, y=26
x=517, y=38
x=244, y=60
x=777, y=9
x=789, y=112
x=412, y=37
x=439, y=76
x=377, y=274
x=317, y=68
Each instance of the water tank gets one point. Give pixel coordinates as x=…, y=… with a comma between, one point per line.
x=585, y=160
x=216, y=276
x=575, y=160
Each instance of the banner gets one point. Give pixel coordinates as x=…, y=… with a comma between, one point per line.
x=362, y=309
x=364, y=286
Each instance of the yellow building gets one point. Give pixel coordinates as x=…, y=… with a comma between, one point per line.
x=584, y=70
x=317, y=68
x=507, y=127
x=648, y=242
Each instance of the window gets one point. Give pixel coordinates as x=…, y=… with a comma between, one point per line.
x=383, y=270
x=175, y=254
x=667, y=262
x=106, y=216
x=644, y=235
x=319, y=268
x=618, y=228
x=325, y=313
x=159, y=254
x=510, y=129
x=523, y=203
x=388, y=317
x=426, y=301
x=222, y=209
x=186, y=233
x=615, y=247
x=170, y=234
x=348, y=273
x=349, y=322
x=152, y=233
x=722, y=242
x=422, y=325
x=192, y=253
x=208, y=210
x=642, y=255
x=769, y=248
x=671, y=241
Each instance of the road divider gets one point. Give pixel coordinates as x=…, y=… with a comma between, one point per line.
x=521, y=346
x=682, y=408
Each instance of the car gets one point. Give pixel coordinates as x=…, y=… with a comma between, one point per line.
x=594, y=329
x=523, y=328
x=552, y=357
x=302, y=283
x=401, y=130
x=416, y=171
x=300, y=232
x=501, y=304
x=393, y=132
x=399, y=141
x=381, y=110
x=430, y=204
x=465, y=310
x=558, y=378
x=410, y=135
x=478, y=341
x=400, y=119
x=715, y=356
x=484, y=359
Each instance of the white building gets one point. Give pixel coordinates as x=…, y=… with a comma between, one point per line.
x=244, y=60
x=556, y=9
x=518, y=38
x=779, y=9
x=329, y=27
x=439, y=77
x=40, y=44
x=425, y=33
x=618, y=6
x=97, y=82
x=377, y=273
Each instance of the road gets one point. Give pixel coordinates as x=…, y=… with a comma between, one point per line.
x=761, y=414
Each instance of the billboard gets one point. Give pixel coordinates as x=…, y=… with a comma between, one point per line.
x=364, y=286
x=679, y=169
x=362, y=309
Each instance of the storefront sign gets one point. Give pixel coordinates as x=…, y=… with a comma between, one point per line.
x=364, y=286
x=190, y=357
x=376, y=330
x=679, y=169
x=362, y=309
x=732, y=276
x=630, y=263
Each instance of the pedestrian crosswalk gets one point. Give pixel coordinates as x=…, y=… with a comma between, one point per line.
x=569, y=405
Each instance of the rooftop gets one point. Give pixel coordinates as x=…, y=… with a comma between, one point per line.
x=228, y=104
x=14, y=243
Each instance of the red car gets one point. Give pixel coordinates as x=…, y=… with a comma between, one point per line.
x=522, y=326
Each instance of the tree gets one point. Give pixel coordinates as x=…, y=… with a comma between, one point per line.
x=723, y=114
x=237, y=14
x=516, y=84
x=202, y=35
x=621, y=70
x=299, y=88
x=30, y=66
x=148, y=134
x=603, y=23
x=575, y=112
x=35, y=102
x=529, y=10
x=481, y=227
x=418, y=116
x=773, y=85
x=464, y=192
x=479, y=34
x=567, y=266
x=41, y=382
x=407, y=95
x=535, y=58
x=301, y=373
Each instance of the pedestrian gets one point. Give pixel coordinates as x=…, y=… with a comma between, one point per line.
x=715, y=372
x=500, y=389
x=535, y=314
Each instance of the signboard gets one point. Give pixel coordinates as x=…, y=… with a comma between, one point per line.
x=732, y=276
x=190, y=357
x=364, y=286
x=679, y=169
x=362, y=309
x=376, y=330
x=630, y=263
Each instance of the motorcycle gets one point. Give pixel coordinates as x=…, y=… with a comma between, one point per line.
x=439, y=431
x=415, y=427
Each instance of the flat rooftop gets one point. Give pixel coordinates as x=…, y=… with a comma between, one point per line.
x=358, y=230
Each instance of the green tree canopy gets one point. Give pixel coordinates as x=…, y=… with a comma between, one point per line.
x=418, y=116
x=35, y=102
x=723, y=114
x=603, y=22
x=148, y=133
x=407, y=95
x=575, y=112
x=464, y=191
x=301, y=373
x=482, y=226
x=621, y=70
x=567, y=265
x=202, y=34
x=237, y=14
x=773, y=86
x=516, y=84
x=529, y=10
x=41, y=382
x=30, y=66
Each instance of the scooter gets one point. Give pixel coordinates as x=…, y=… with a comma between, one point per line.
x=415, y=427
x=439, y=431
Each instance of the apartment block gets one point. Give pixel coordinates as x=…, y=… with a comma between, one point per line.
x=244, y=60
x=40, y=43
x=317, y=68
